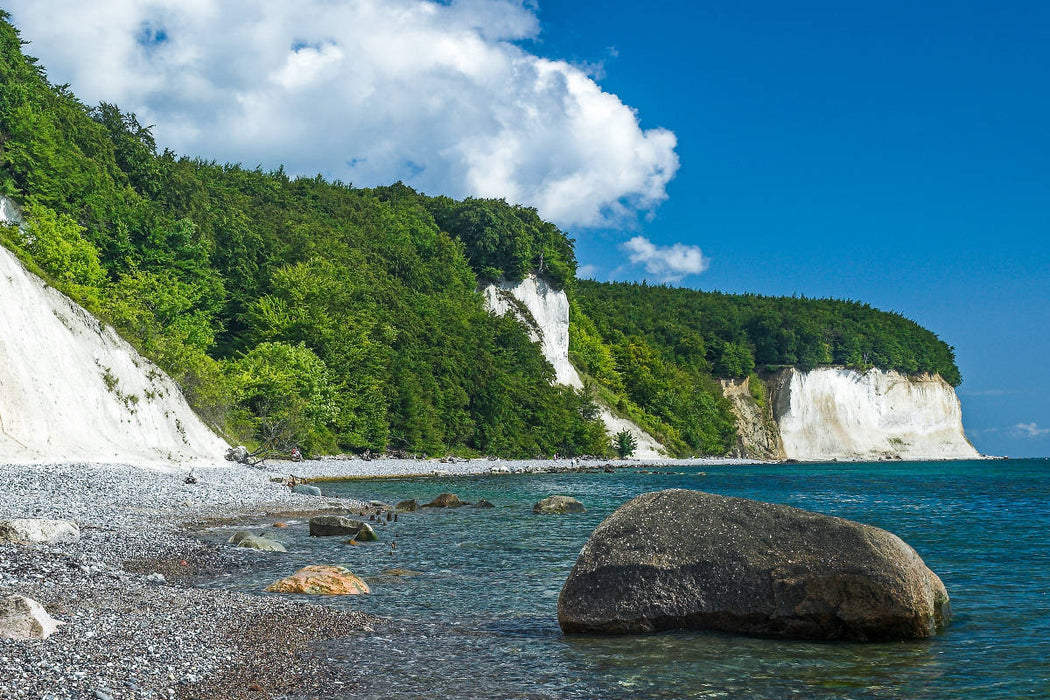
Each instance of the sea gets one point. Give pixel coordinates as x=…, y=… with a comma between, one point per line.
x=470, y=595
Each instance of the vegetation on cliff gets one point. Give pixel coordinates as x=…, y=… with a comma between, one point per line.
x=656, y=350
x=295, y=310
x=289, y=310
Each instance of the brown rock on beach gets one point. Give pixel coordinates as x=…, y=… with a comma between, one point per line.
x=321, y=580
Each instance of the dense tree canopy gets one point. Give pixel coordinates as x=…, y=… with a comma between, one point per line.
x=290, y=310
x=294, y=310
x=730, y=335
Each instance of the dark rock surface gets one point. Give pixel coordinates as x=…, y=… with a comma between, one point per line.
x=556, y=505
x=336, y=525
x=447, y=500
x=688, y=559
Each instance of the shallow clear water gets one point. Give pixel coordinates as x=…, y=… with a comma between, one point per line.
x=480, y=617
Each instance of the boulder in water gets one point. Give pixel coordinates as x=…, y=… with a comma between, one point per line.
x=409, y=506
x=24, y=618
x=364, y=534
x=447, y=500
x=337, y=525
x=306, y=490
x=39, y=531
x=484, y=503
x=321, y=580
x=694, y=560
x=556, y=505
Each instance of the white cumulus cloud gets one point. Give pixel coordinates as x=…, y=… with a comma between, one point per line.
x=438, y=94
x=1029, y=430
x=668, y=263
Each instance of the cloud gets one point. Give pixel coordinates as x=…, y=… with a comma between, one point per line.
x=1029, y=430
x=668, y=263
x=438, y=94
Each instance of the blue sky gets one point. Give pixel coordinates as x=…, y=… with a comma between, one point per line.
x=896, y=153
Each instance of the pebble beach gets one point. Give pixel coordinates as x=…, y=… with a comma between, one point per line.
x=132, y=623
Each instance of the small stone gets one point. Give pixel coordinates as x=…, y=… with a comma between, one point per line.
x=556, y=505
x=39, y=531
x=447, y=500
x=24, y=618
x=262, y=544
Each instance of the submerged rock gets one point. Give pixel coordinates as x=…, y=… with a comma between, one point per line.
x=409, y=506
x=39, y=531
x=337, y=525
x=306, y=490
x=447, y=500
x=556, y=505
x=24, y=618
x=321, y=580
x=688, y=559
x=263, y=544
x=484, y=503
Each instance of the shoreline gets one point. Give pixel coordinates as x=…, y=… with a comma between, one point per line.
x=127, y=632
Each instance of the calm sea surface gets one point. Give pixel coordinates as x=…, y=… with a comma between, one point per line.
x=480, y=617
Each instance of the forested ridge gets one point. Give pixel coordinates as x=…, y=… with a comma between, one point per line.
x=295, y=310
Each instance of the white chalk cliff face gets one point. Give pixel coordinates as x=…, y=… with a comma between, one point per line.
x=833, y=413
x=549, y=325
x=71, y=389
x=549, y=308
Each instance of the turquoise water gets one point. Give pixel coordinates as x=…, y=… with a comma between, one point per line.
x=480, y=618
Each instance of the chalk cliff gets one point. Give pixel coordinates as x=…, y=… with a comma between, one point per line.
x=835, y=413
x=545, y=312
x=71, y=389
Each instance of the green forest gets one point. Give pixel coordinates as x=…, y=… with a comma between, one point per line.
x=296, y=310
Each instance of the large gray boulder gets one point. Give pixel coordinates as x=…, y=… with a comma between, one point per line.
x=39, y=531
x=336, y=525
x=688, y=559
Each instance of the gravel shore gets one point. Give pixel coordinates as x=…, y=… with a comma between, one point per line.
x=134, y=625
x=129, y=633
